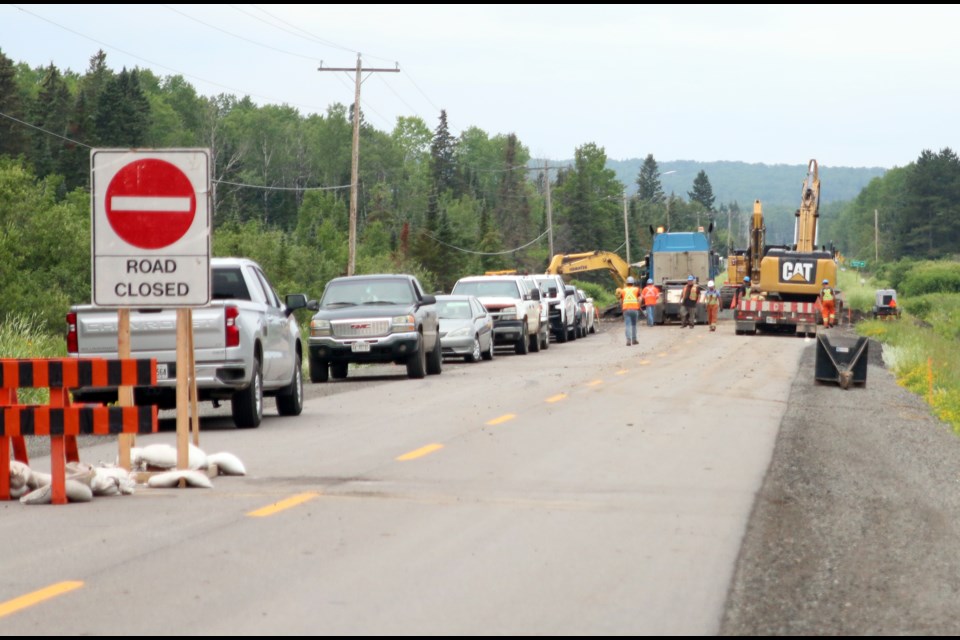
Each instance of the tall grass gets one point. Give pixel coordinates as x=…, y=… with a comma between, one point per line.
x=922, y=351
x=22, y=336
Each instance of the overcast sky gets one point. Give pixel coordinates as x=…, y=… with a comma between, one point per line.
x=849, y=85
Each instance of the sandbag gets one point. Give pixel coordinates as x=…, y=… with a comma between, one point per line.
x=227, y=464
x=169, y=479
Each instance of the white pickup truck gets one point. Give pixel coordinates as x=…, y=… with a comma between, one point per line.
x=247, y=345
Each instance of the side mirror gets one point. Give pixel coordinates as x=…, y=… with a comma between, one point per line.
x=535, y=294
x=428, y=299
x=294, y=301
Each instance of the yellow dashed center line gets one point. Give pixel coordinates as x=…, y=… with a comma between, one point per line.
x=594, y=383
x=662, y=355
x=422, y=451
x=644, y=362
x=504, y=418
x=54, y=590
x=623, y=372
x=557, y=398
x=283, y=505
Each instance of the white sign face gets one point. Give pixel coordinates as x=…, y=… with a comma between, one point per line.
x=151, y=227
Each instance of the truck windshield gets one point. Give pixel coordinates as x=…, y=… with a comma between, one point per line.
x=488, y=289
x=366, y=291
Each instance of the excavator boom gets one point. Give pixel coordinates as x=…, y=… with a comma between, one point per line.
x=807, y=215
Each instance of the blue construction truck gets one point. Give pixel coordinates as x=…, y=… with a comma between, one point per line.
x=676, y=255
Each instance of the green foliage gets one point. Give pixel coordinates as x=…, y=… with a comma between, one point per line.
x=602, y=296
x=27, y=336
x=44, y=247
x=931, y=277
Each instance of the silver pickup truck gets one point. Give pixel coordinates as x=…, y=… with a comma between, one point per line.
x=247, y=345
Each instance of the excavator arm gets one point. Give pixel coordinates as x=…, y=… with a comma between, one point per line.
x=570, y=263
x=807, y=215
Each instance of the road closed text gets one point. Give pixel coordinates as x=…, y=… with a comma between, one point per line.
x=151, y=281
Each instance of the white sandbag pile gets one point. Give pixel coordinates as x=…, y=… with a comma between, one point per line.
x=83, y=482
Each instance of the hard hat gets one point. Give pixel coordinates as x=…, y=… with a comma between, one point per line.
x=689, y=278
x=649, y=281
x=825, y=281
x=746, y=278
x=710, y=283
x=629, y=279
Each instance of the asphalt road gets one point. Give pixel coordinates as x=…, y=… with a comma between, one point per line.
x=696, y=484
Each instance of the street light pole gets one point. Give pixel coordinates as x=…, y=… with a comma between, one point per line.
x=626, y=228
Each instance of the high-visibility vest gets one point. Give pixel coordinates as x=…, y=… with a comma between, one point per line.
x=693, y=292
x=711, y=297
x=631, y=298
x=827, y=294
x=650, y=295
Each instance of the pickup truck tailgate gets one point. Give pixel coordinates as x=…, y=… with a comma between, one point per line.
x=152, y=332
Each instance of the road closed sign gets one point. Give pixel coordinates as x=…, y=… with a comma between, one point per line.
x=151, y=227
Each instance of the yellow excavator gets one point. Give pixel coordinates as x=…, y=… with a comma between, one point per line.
x=789, y=278
x=568, y=264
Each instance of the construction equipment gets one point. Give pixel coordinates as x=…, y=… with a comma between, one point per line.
x=674, y=257
x=788, y=278
x=885, y=306
x=568, y=264
x=745, y=262
x=841, y=360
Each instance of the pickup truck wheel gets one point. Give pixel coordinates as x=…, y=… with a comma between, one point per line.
x=562, y=335
x=417, y=363
x=338, y=370
x=435, y=360
x=535, y=342
x=544, y=339
x=247, y=405
x=319, y=371
x=522, y=346
x=474, y=354
x=290, y=400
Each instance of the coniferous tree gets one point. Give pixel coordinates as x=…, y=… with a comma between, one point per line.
x=443, y=157
x=702, y=192
x=51, y=116
x=649, y=188
x=123, y=112
x=13, y=142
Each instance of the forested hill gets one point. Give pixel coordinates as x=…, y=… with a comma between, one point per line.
x=742, y=182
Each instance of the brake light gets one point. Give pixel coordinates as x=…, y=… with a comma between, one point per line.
x=231, y=327
x=72, y=346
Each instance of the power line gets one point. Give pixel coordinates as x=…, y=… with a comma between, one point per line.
x=482, y=253
x=157, y=64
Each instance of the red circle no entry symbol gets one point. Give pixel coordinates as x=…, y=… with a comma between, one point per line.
x=151, y=203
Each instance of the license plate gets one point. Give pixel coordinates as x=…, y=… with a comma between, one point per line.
x=360, y=347
x=162, y=373
x=771, y=320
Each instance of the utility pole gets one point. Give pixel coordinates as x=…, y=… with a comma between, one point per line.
x=546, y=175
x=626, y=228
x=355, y=164
x=876, y=238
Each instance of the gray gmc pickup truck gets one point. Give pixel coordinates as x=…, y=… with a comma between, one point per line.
x=246, y=345
x=374, y=318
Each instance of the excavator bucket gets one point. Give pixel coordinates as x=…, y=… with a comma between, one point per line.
x=841, y=360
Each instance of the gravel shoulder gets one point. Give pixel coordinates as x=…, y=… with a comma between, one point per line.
x=854, y=531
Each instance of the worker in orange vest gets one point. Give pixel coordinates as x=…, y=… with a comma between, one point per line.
x=650, y=295
x=827, y=300
x=630, y=305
